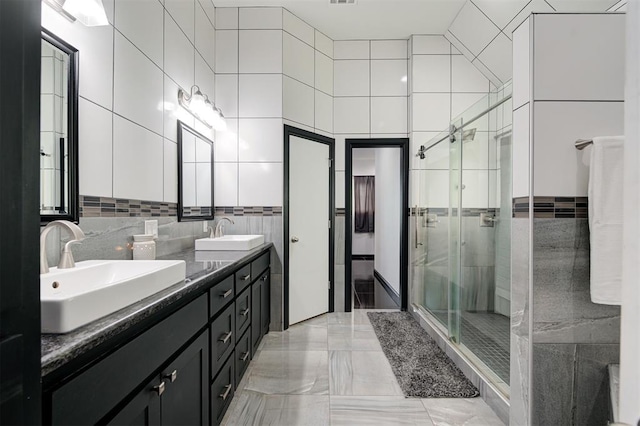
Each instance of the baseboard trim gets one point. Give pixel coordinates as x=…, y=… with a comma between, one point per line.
x=387, y=287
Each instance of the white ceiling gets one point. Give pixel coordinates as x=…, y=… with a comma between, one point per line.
x=367, y=19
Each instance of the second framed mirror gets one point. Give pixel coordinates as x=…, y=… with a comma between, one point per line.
x=195, y=175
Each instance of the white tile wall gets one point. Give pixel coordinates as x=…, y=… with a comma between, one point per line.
x=227, y=94
x=431, y=111
x=260, y=18
x=431, y=73
x=173, y=112
x=475, y=193
x=137, y=86
x=430, y=45
x=389, y=115
x=498, y=57
x=227, y=18
x=323, y=73
x=205, y=77
x=535, y=6
x=323, y=111
x=170, y=173
x=340, y=195
x=389, y=49
x=473, y=28
x=260, y=95
x=340, y=147
x=183, y=11
x=324, y=44
x=560, y=169
x=260, y=184
x=298, y=28
x=298, y=101
x=95, y=153
x=521, y=170
x=590, y=51
x=147, y=37
x=178, y=55
x=389, y=77
x=298, y=59
x=137, y=162
x=351, y=115
x=465, y=77
x=351, y=49
x=260, y=140
x=226, y=50
x=226, y=143
x=225, y=182
x=260, y=51
x=205, y=37
x=521, y=65
x=351, y=78
x=501, y=12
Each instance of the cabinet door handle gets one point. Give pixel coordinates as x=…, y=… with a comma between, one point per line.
x=226, y=337
x=246, y=277
x=171, y=376
x=159, y=389
x=244, y=313
x=225, y=394
x=245, y=356
x=227, y=293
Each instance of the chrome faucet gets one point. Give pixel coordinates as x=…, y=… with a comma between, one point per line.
x=219, y=232
x=66, y=257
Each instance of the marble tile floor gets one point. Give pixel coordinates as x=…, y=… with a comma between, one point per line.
x=330, y=370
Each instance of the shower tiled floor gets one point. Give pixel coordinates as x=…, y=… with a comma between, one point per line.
x=486, y=334
x=331, y=370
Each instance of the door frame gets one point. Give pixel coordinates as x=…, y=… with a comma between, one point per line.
x=403, y=144
x=313, y=137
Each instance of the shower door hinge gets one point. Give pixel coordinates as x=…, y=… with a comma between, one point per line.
x=329, y=162
x=329, y=223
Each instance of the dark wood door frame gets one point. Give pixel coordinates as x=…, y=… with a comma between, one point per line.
x=403, y=144
x=288, y=132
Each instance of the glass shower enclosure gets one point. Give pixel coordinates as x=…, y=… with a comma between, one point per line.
x=461, y=263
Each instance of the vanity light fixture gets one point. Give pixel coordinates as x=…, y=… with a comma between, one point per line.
x=202, y=108
x=89, y=12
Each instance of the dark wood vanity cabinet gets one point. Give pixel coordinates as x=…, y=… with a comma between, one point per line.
x=181, y=370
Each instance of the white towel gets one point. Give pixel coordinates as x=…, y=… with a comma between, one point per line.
x=605, y=219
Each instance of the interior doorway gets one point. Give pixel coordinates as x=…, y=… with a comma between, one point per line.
x=308, y=225
x=376, y=223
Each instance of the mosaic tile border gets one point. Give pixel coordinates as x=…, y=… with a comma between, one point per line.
x=120, y=207
x=552, y=207
x=91, y=206
x=444, y=211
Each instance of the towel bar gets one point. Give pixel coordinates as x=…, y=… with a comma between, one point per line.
x=583, y=143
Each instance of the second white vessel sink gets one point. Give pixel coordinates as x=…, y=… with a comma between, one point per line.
x=230, y=242
x=71, y=298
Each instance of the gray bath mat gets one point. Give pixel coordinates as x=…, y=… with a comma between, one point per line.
x=423, y=370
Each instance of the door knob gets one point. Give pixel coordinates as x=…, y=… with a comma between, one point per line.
x=295, y=239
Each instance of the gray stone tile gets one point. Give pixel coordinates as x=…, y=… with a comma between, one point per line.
x=381, y=410
x=353, y=338
x=339, y=241
x=519, y=380
x=338, y=286
x=251, y=408
x=290, y=373
x=276, y=303
x=355, y=317
x=361, y=373
x=592, y=383
x=272, y=229
x=553, y=378
x=460, y=411
x=297, y=338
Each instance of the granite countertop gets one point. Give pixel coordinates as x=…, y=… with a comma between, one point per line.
x=201, y=269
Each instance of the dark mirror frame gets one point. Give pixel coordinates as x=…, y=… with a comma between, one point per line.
x=73, y=212
x=181, y=218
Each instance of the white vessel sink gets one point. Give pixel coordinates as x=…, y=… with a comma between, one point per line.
x=71, y=298
x=230, y=242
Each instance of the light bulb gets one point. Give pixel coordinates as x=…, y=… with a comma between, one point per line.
x=90, y=12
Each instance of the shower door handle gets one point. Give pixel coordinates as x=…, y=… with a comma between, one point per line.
x=295, y=239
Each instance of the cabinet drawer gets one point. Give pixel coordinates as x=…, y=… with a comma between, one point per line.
x=113, y=378
x=243, y=312
x=221, y=294
x=222, y=337
x=259, y=265
x=242, y=355
x=222, y=391
x=243, y=278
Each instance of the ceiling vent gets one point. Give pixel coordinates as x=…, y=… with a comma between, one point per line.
x=342, y=1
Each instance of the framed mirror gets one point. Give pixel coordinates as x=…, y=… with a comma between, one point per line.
x=195, y=175
x=58, y=130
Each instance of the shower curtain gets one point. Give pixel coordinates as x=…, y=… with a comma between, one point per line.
x=365, y=202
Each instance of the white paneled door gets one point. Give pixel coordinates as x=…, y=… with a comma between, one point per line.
x=309, y=192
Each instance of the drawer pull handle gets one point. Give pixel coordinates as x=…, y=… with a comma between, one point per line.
x=159, y=389
x=245, y=356
x=226, y=337
x=246, y=277
x=225, y=394
x=227, y=293
x=244, y=313
x=171, y=376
